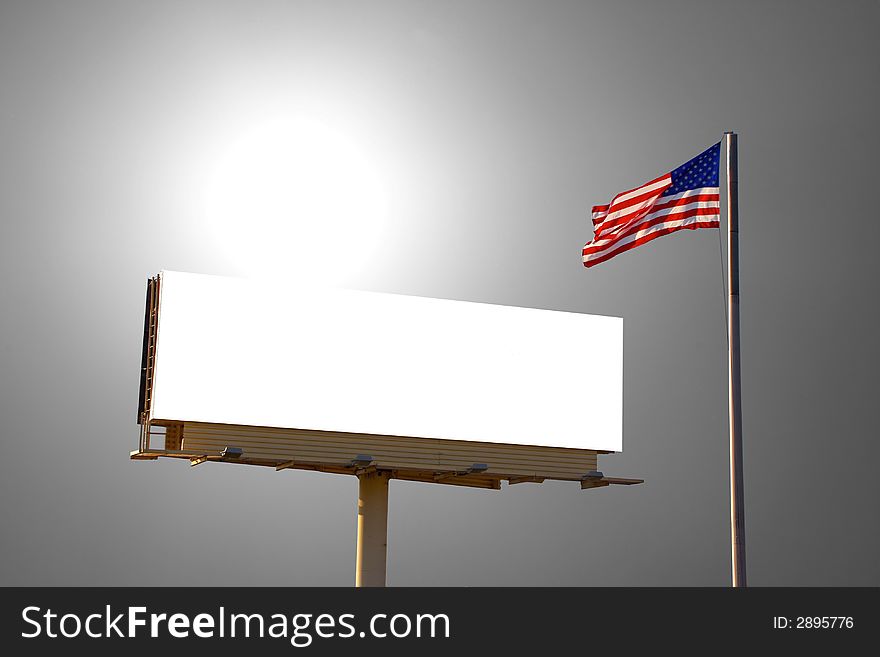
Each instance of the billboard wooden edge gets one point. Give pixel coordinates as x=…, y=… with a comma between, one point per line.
x=450, y=462
x=493, y=481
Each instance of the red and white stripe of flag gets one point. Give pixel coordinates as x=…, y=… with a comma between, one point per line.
x=637, y=216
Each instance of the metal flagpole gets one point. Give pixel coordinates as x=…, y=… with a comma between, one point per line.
x=737, y=519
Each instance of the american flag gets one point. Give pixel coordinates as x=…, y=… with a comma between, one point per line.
x=686, y=198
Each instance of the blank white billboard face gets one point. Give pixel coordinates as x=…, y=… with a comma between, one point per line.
x=235, y=351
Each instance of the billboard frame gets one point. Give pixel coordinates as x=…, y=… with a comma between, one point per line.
x=373, y=458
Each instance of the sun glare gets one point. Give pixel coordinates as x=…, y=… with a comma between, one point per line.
x=296, y=199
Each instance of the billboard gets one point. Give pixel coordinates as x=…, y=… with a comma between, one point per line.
x=233, y=351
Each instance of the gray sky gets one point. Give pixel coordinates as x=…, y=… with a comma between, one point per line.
x=494, y=126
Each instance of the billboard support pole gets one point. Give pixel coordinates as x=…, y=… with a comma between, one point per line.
x=372, y=528
x=737, y=521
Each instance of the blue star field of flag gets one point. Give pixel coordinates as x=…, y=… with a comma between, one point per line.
x=702, y=171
